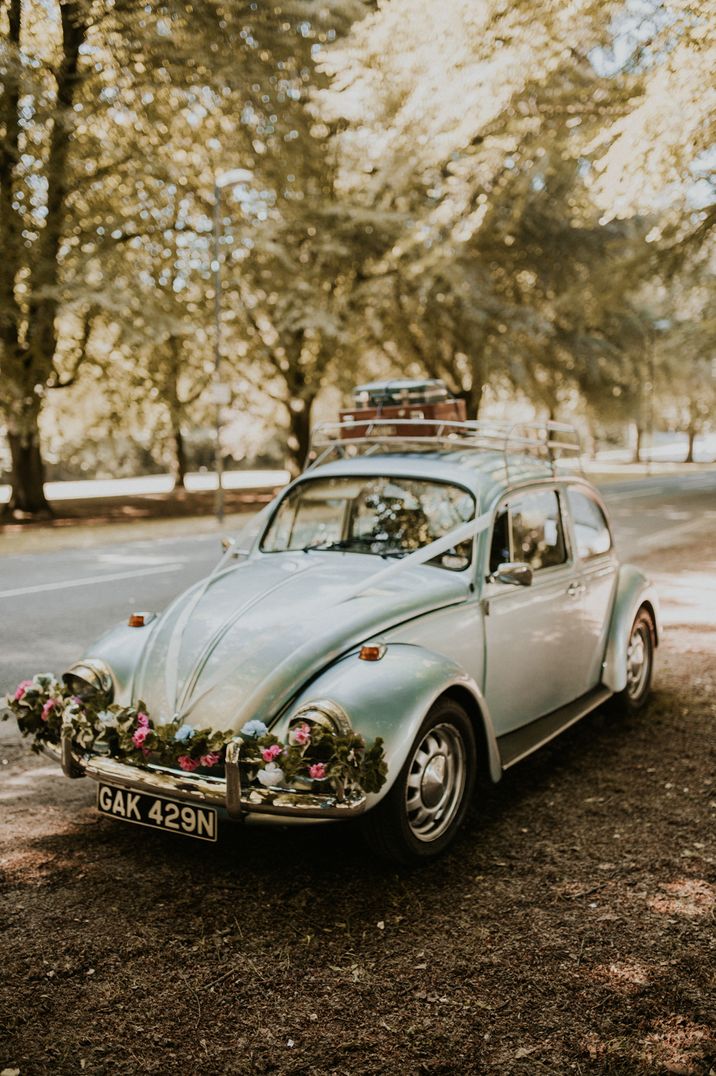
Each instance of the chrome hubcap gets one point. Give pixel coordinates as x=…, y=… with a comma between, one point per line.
x=436, y=781
x=637, y=661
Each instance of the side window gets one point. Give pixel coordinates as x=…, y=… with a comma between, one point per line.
x=590, y=527
x=536, y=530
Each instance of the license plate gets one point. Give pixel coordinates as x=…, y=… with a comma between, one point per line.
x=158, y=813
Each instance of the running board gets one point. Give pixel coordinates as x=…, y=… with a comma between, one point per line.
x=514, y=746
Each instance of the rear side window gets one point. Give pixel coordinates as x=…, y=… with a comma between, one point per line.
x=591, y=532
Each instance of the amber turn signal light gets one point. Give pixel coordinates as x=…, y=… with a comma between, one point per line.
x=372, y=652
x=136, y=620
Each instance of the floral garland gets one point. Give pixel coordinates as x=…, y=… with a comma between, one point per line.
x=47, y=710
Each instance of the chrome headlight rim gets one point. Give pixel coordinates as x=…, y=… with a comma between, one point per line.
x=324, y=712
x=90, y=675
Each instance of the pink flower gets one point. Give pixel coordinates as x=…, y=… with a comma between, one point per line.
x=209, y=760
x=300, y=735
x=188, y=763
x=48, y=708
x=22, y=688
x=270, y=753
x=317, y=771
x=143, y=721
x=140, y=736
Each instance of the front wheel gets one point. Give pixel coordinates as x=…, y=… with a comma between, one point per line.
x=424, y=809
x=640, y=666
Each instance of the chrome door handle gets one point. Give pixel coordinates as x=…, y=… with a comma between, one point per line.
x=575, y=589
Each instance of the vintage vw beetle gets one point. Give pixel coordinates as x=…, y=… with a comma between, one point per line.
x=454, y=592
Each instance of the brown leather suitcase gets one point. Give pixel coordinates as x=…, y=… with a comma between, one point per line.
x=359, y=419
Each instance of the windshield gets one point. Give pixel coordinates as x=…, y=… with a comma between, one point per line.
x=384, y=516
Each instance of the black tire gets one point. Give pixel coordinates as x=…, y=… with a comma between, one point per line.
x=642, y=641
x=420, y=815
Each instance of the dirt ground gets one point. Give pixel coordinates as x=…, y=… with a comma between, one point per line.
x=569, y=930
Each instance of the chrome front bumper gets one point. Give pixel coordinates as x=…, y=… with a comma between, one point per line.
x=226, y=792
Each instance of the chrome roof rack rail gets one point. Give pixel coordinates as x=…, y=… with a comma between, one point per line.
x=546, y=440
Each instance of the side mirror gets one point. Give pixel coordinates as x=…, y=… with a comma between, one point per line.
x=514, y=572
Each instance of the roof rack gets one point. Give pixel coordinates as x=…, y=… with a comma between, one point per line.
x=545, y=440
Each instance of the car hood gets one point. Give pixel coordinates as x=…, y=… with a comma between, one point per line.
x=242, y=646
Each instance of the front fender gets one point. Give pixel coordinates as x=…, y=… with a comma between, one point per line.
x=121, y=648
x=634, y=589
x=390, y=698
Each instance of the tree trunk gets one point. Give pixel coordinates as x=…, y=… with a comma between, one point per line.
x=473, y=399
x=637, y=446
x=28, y=474
x=31, y=363
x=179, y=468
x=691, y=432
x=300, y=435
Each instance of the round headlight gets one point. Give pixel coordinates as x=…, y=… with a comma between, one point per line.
x=323, y=712
x=89, y=677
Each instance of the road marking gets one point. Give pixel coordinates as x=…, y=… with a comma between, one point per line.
x=89, y=580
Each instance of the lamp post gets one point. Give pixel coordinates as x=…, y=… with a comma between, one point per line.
x=224, y=179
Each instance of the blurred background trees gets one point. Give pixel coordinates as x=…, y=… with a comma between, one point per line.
x=518, y=198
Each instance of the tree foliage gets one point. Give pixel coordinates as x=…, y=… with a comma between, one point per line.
x=482, y=192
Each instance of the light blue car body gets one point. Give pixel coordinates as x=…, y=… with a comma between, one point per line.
x=271, y=632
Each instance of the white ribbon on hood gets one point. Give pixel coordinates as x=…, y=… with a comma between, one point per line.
x=421, y=556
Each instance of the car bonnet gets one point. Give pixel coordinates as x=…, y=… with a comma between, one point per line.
x=241, y=647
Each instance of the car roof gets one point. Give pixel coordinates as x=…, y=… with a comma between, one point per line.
x=487, y=474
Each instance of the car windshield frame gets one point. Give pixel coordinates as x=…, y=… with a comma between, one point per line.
x=361, y=545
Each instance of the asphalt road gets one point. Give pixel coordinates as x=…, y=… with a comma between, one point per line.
x=53, y=604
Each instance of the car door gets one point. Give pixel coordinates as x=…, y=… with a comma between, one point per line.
x=596, y=568
x=530, y=630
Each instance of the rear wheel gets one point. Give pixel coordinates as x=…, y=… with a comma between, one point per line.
x=639, y=665
x=424, y=809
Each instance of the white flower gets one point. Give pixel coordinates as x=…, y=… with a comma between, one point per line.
x=271, y=775
x=107, y=718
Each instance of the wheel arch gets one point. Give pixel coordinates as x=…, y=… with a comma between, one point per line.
x=654, y=619
x=489, y=762
x=634, y=592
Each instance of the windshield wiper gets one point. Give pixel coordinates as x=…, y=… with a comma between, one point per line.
x=347, y=543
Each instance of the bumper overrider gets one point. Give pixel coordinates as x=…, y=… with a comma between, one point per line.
x=226, y=792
